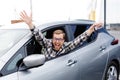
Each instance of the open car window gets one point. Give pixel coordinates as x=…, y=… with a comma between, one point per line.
x=79, y=29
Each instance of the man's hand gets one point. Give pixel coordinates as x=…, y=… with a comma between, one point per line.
x=27, y=19
x=94, y=27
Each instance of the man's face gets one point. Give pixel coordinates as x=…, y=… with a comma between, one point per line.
x=58, y=40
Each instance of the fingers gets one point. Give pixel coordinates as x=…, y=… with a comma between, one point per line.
x=31, y=14
x=23, y=14
x=100, y=24
x=97, y=24
x=25, y=17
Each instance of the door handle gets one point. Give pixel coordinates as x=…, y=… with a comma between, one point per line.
x=102, y=48
x=71, y=62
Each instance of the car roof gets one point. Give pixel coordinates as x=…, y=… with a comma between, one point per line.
x=77, y=21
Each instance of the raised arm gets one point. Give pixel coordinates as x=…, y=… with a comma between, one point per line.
x=35, y=31
x=83, y=37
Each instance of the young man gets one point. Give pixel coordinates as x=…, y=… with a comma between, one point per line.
x=57, y=45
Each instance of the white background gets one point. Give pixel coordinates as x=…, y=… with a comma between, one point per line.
x=56, y=10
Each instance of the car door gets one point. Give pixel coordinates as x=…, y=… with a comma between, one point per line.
x=60, y=68
x=55, y=69
x=91, y=61
x=92, y=55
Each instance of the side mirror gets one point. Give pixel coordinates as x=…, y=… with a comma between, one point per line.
x=34, y=60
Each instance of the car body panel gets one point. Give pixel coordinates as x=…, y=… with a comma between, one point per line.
x=13, y=76
x=60, y=70
x=96, y=59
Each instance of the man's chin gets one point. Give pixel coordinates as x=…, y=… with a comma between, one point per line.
x=57, y=48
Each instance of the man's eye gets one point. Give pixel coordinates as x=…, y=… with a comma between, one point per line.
x=59, y=39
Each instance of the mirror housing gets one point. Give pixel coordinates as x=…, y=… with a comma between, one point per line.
x=34, y=60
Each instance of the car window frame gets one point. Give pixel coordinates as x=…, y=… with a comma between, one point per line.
x=70, y=35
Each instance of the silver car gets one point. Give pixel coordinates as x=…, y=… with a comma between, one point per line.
x=21, y=59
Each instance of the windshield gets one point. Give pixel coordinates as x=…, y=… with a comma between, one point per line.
x=8, y=38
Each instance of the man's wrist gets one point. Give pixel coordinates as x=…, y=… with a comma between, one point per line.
x=32, y=28
x=92, y=29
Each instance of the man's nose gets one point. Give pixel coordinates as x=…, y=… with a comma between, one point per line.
x=57, y=40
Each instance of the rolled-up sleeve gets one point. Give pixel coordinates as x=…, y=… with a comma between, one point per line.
x=39, y=37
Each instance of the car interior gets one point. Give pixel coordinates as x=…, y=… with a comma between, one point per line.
x=79, y=29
